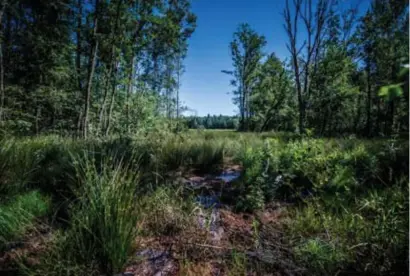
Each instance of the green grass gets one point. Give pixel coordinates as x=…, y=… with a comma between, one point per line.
x=165, y=212
x=348, y=208
x=19, y=214
x=367, y=234
x=103, y=218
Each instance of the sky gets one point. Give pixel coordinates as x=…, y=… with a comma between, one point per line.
x=204, y=88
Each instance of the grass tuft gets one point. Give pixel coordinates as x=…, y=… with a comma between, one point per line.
x=19, y=215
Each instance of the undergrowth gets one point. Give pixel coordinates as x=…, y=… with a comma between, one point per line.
x=348, y=210
x=19, y=214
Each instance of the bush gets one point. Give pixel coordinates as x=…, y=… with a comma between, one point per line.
x=259, y=182
x=352, y=213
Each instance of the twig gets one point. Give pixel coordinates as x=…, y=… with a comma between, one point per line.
x=210, y=246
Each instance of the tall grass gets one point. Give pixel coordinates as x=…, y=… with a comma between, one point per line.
x=19, y=214
x=104, y=218
x=18, y=162
x=369, y=235
x=165, y=212
x=349, y=212
x=102, y=222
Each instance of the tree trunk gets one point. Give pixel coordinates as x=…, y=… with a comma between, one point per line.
x=132, y=72
x=3, y=7
x=242, y=99
x=129, y=90
x=78, y=56
x=101, y=111
x=1, y=81
x=330, y=124
x=114, y=90
x=324, y=122
x=78, y=61
x=38, y=112
x=93, y=60
x=80, y=119
x=112, y=64
x=378, y=117
x=265, y=123
x=246, y=115
x=178, y=84
x=369, y=103
x=359, y=113
x=390, y=127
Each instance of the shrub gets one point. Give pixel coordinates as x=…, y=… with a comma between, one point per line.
x=259, y=184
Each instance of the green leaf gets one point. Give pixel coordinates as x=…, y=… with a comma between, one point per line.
x=391, y=92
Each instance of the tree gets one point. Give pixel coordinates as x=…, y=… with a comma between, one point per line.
x=382, y=40
x=73, y=65
x=272, y=95
x=246, y=52
x=92, y=63
x=305, y=55
x=333, y=92
x=2, y=8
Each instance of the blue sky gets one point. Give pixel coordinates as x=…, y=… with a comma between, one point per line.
x=204, y=88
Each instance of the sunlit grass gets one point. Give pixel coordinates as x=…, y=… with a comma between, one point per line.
x=348, y=196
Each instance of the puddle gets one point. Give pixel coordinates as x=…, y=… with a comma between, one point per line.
x=152, y=255
x=153, y=262
x=212, y=223
x=212, y=187
x=229, y=176
x=208, y=201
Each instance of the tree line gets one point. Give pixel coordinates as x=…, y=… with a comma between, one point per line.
x=212, y=122
x=91, y=67
x=99, y=67
x=346, y=74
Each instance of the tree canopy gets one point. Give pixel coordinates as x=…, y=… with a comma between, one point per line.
x=343, y=75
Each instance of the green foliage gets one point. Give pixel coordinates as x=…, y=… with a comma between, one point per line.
x=368, y=232
x=19, y=214
x=212, y=122
x=238, y=264
x=319, y=166
x=246, y=52
x=48, y=84
x=185, y=152
x=258, y=184
x=103, y=216
x=320, y=255
x=165, y=212
x=391, y=92
x=352, y=214
x=353, y=194
x=349, y=211
x=271, y=99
